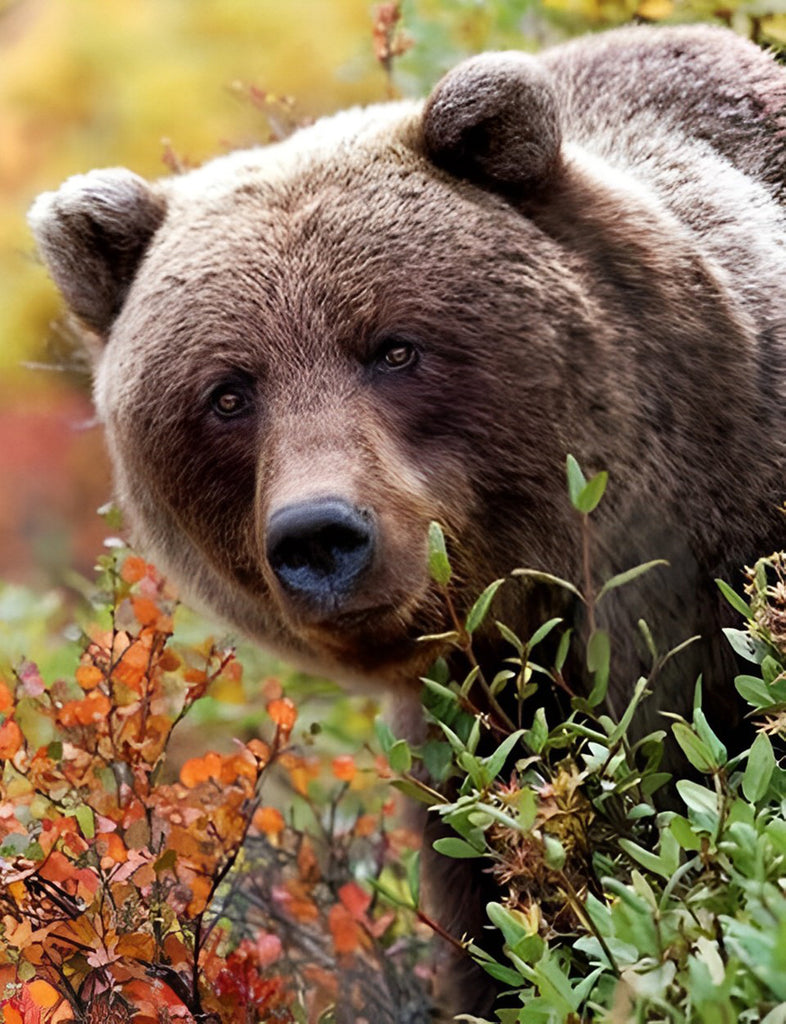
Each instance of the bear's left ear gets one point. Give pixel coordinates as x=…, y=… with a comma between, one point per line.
x=92, y=234
x=494, y=119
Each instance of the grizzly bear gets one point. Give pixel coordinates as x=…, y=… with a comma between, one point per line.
x=413, y=312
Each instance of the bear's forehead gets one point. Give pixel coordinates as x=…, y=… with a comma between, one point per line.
x=339, y=147
x=304, y=214
x=351, y=184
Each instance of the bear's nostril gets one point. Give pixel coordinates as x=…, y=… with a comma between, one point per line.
x=320, y=549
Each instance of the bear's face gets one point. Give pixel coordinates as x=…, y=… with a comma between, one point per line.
x=294, y=387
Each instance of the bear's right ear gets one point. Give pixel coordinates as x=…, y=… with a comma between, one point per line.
x=92, y=234
x=494, y=119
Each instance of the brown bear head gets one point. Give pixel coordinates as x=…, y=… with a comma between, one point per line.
x=305, y=357
x=412, y=312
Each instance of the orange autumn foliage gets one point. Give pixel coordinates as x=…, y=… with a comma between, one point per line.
x=344, y=767
x=114, y=866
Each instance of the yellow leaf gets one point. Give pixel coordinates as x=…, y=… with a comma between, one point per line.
x=655, y=10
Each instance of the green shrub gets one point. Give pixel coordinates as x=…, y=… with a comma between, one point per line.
x=611, y=909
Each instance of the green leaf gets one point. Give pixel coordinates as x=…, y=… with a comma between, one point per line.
x=536, y=736
x=651, y=861
x=759, y=769
x=554, y=855
x=479, y=609
x=452, y=846
x=646, y=632
x=469, y=682
x=598, y=662
x=734, y=599
x=496, y=761
x=438, y=564
x=576, y=479
x=771, y=669
x=384, y=734
x=412, y=863
x=437, y=757
x=510, y=636
x=400, y=757
x=440, y=690
x=640, y=811
x=619, y=730
x=547, y=577
x=682, y=830
x=698, y=798
x=500, y=680
x=652, y=783
x=512, y=923
x=626, y=577
x=588, y=498
x=706, y=734
x=474, y=736
x=562, y=650
x=527, y=807
x=696, y=751
x=754, y=690
x=86, y=819
x=746, y=646
x=542, y=632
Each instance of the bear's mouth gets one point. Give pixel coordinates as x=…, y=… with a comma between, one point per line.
x=367, y=624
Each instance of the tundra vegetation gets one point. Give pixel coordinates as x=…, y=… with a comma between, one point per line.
x=266, y=882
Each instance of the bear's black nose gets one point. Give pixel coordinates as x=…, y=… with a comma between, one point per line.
x=319, y=550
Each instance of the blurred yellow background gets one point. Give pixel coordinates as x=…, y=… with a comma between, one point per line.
x=91, y=83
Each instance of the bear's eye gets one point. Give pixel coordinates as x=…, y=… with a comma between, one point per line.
x=396, y=354
x=229, y=401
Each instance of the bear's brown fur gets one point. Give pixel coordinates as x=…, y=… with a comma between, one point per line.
x=414, y=312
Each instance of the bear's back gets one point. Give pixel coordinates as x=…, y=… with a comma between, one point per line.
x=623, y=89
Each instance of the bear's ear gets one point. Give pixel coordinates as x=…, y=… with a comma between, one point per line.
x=92, y=234
x=494, y=119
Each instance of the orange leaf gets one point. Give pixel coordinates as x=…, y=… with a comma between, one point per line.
x=89, y=676
x=133, y=666
x=111, y=849
x=344, y=930
x=43, y=994
x=284, y=713
x=169, y=661
x=200, y=769
x=10, y=739
x=296, y=901
x=94, y=708
x=134, y=569
x=201, y=890
x=6, y=698
x=344, y=767
x=356, y=900
x=260, y=750
x=271, y=688
x=268, y=820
